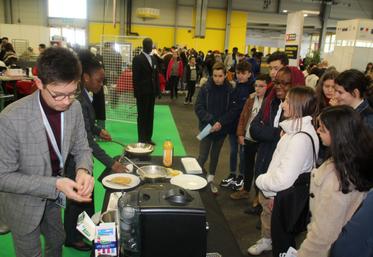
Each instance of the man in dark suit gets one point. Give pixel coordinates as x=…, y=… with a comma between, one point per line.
x=91, y=82
x=146, y=88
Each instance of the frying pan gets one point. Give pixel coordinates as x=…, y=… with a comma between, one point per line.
x=136, y=149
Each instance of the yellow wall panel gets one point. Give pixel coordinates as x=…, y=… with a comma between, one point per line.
x=162, y=36
x=97, y=29
x=237, y=36
x=216, y=19
x=214, y=39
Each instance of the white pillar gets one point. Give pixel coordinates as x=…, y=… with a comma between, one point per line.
x=293, y=37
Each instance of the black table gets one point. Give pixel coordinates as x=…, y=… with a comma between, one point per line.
x=219, y=237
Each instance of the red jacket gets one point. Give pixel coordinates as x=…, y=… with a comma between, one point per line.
x=179, y=69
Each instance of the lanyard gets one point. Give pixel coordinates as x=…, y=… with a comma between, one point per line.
x=51, y=136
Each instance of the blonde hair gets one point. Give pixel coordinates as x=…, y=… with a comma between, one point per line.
x=302, y=103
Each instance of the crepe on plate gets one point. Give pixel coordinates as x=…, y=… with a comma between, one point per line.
x=121, y=180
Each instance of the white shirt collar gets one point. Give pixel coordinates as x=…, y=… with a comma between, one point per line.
x=89, y=94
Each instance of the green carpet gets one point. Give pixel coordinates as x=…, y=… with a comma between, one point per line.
x=164, y=128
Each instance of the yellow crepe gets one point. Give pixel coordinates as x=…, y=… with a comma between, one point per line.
x=121, y=180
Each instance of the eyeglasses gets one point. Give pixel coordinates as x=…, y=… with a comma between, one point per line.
x=60, y=97
x=282, y=84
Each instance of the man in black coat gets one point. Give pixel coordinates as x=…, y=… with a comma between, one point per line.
x=146, y=88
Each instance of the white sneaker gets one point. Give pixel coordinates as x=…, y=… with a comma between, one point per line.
x=214, y=189
x=262, y=245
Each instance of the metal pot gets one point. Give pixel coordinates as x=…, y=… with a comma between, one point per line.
x=136, y=149
x=139, y=149
x=152, y=173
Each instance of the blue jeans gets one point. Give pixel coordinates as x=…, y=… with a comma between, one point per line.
x=234, y=148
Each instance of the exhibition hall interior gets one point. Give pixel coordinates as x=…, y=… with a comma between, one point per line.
x=188, y=128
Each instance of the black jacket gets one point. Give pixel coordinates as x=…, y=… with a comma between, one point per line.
x=266, y=135
x=366, y=112
x=242, y=92
x=188, y=71
x=145, y=77
x=216, y=104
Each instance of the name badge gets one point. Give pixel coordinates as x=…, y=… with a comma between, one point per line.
x=61, y=200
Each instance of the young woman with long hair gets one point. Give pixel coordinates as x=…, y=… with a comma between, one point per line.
x=292, y=160
x=339, y=185
x=325, y=90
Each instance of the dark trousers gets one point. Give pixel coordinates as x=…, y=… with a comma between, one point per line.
x=213, y=146
x=73, y=209
x=173, y=81
x=191, y=89
x=98, y=104
x=145, y=117
x=235, y=148
x=250, y=149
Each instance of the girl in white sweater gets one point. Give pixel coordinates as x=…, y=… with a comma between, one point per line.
x=294, y=154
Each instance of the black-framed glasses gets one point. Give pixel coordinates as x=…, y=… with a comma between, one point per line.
x=281, y=83
x=60, y=97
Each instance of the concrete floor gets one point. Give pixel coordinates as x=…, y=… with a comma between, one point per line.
x=241, y=224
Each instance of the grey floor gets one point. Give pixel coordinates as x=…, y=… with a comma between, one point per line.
x=241, y=224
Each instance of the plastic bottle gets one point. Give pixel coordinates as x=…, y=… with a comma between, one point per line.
x=168, y=149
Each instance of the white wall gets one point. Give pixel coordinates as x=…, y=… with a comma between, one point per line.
x=34, y=34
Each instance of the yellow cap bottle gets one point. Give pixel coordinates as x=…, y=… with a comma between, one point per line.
x=168, y=149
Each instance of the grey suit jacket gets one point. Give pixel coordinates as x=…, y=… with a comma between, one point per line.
x=26, y=180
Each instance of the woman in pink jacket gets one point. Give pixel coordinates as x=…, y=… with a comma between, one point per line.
x=174, y=73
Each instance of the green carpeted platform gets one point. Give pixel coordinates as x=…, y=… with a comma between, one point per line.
x=164, y=128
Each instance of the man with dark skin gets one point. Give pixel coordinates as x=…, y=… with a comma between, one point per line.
x=146, y=88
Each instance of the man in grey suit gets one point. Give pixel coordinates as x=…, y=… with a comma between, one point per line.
x=36, y=135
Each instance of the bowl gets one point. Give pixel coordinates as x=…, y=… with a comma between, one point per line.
x=139, y=149
x=152, y=173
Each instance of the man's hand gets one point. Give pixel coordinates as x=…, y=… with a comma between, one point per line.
x=85, y=183
x=118, y=167
x=70, y=188
x=241, y=140
x=216, y=127
x=105, y=135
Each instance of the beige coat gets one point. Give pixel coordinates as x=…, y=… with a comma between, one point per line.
x=330, y=209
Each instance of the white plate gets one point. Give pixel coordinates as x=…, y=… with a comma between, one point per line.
x=134, y=181
x=191, y=182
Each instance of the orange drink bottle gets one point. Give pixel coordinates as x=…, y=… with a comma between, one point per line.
x=168, y=149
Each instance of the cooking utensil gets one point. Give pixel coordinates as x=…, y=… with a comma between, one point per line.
x=117, y=142
x=139, y=149
x=152, y=173
x=130, y=161
x=136, y=149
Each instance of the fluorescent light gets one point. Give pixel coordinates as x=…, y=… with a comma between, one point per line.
x=309, y=12
x=285, y=11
